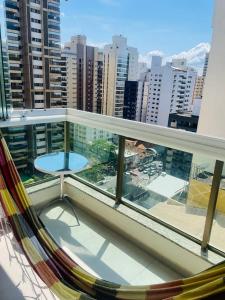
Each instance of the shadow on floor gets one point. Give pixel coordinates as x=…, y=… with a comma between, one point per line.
x=8, y=290
x=62, y=233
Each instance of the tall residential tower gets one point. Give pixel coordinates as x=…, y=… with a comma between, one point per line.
x=82, y=75
x=33, y=38
x=33, y=34
x=165, y=89
x=120, y=65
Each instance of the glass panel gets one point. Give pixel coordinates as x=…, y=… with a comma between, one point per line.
x=218, y=229
x=172, y=185
x=101, y=149
x=27, y=142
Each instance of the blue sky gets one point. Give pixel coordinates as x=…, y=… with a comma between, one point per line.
x=168, y=26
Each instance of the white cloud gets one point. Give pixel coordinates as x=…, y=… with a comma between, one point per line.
x=147, y=57
x=1, y=6
x=195, y=56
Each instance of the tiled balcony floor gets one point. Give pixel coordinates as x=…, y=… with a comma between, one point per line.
x=102, y=251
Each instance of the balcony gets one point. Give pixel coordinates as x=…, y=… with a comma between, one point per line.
x=163, y=223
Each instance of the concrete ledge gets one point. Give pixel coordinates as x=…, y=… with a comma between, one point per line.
x=44, y=192
x=176, y=251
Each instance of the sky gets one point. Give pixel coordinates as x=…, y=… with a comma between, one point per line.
x=166, y=27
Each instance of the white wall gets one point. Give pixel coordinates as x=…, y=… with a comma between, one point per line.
x=165, y=96
x=212, y=116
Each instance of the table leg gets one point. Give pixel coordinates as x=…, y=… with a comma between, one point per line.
x=62, y=197
x=61, y=186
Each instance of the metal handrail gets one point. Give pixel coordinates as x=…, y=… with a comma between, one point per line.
x=213, y=147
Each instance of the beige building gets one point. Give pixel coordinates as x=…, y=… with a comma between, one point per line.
x=200, y=82
x=199, y=87
x=82, y=75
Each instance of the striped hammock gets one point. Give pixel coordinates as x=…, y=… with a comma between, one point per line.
x=63, y=276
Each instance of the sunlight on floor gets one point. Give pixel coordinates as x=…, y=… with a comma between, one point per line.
x=101, y=251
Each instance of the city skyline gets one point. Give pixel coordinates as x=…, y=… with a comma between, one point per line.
x=154, y=27
x=157, y=29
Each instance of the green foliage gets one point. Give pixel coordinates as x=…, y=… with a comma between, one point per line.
x=103, y=150
x=95, y=174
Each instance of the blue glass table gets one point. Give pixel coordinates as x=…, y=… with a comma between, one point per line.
x=61, y=163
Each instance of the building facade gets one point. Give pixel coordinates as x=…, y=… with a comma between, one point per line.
x=34, y=53
x=98, y=81
x=130, y=100
x=169, y=89
x=82, y=75
x=142, y=98
x=199, y=87
x=200, y=81
x=179, y=163
x=4, y=81
x=33, y=36
x=120, y=65
x=211, y=120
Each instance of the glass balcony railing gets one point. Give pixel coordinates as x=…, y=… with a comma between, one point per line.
x=171, y=176
x=168, y=184
x=101, y=149
x=27, y=142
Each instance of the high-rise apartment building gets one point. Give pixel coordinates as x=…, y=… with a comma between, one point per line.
x=5, y=80
x=168, y=89
x=98, y=81
x=179, y=163
x=120, y=65
x=142, y=98
x=130, y=100
x=199, y=87
x=3, y=83
x=6, y=76
x=82, y=84
x=200, y=81
x=82, y=75
x=69, y=76
x=206, y=63
x=142, y=68
x=33, y=34
x=33, y=40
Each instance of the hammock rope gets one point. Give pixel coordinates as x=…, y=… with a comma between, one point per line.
x=63, y=276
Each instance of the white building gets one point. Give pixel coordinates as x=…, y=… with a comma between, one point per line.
x=170, y=90
x=211, y=120
x=142, y=68
x=84, y=136
x=69, y=76
x=120, y=64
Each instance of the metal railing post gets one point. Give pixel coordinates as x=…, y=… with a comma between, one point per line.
x=212, y=204
x=66, y=136
x=120, y=169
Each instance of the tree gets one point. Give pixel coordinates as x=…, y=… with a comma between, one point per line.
x=103, y=150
